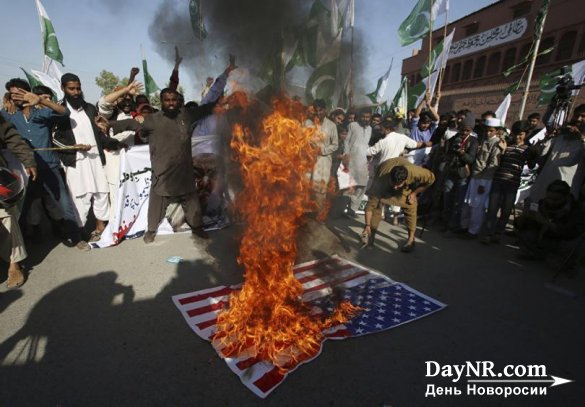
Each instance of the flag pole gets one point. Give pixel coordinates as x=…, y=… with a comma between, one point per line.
x=442, y=71
x=350, y=94
x=430, y=32
x=533, y=62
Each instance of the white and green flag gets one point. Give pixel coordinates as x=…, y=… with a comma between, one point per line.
x=150, y=85
x=502, y=110
x=400, y=102
x=321, y=83
x=420, y=19
x=549, y=81
x=377, y=95
x=50, y=42
x=438, y=58
x=417, y=92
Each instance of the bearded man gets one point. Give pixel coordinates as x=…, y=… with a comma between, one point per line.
x=35, y=124
x=84, y=167
x=169, y=139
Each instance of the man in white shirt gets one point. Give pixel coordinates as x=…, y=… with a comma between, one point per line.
x=328, y=144
x=393, y=144
x=84, y=168
x=355, y=158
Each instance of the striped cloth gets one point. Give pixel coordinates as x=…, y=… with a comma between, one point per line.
x=387, y=304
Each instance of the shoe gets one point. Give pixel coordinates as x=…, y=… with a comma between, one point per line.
x=15, y=278
x=407, y=248
x=83, y=246
x=351, y=214
x=395, y=220
x=200, y=233
x=149, y=237
x=467, y=236
x=95, y=236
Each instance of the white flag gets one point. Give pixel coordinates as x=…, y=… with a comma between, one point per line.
x=438, y=8
x=502, y=110
x=49, y=81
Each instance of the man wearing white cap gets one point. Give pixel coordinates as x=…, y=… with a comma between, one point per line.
x=486, y=162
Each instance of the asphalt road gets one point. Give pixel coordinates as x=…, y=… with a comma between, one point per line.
x=100, y=329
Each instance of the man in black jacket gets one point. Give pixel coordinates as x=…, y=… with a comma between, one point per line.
x=11, y=243
x=84, y=167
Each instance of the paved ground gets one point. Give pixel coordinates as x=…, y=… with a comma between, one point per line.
x=100, y=329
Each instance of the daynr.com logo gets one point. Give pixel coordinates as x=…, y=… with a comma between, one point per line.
x=483, y=378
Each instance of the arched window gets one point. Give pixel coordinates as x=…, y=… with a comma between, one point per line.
x=493, y=66
x=456, y=72
x=565, y=45
x=523, y=52
x=509, y=58
x=446, y=74
x=479, y=67
x=544, y=45
x=467, y=70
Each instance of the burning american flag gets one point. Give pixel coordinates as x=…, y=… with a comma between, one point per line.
x=384, y=304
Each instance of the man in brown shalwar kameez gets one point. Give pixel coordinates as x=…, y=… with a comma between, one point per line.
x=169, y=138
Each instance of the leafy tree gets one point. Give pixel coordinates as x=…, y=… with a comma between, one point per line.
x=107, y=81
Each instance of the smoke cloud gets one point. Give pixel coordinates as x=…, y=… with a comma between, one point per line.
x=247, y=29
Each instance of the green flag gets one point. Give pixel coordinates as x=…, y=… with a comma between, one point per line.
x=321, y=83
x=381, y=86
x=429, y=66
x=418, y=22
x=548, y=87
x=416, y=92
x=150, y=86
x=400, y=102
x=50, y=42
x=197, y=19
x=32, y=81
x=538, y=28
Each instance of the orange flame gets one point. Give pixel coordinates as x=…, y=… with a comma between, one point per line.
x=267, y=319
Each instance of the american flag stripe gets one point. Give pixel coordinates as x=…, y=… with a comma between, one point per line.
x=209, y=294
x=269, y=380
x=205, y=316
x=319, y=279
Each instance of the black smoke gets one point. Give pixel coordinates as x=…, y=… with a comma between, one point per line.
x=248, y=29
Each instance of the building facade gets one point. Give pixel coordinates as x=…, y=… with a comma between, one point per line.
x=489, y=41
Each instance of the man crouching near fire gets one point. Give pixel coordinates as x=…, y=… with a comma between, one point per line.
x=397, y=182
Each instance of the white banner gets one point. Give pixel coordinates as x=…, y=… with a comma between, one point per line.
x=131, y=217
x=490, y=38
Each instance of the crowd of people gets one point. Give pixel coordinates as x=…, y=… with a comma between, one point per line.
x=463, y=174
x=451, y=169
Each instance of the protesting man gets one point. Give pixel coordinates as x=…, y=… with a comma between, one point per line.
x=397, y=182
x=355, y=158
x=84, y=168
x=12, y=248
x=169, y=138
x=35, y=124
x=327, y=143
